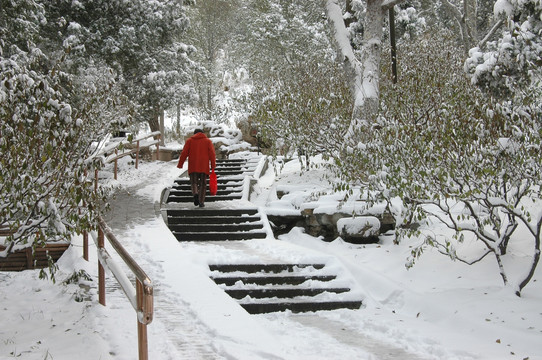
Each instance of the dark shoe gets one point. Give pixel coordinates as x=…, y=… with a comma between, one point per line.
x=201, y=205
x=196, y=200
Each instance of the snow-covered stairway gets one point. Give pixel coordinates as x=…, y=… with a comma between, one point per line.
x=207, y=224
x=264, y=288
x=230, y=174
x=229, y=221
x=219, y=220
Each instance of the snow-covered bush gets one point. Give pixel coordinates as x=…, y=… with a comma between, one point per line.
x=513, y=62
x=49, y=119
x=306, y=113
x=409, y=24
x=44, y=143
x=452, y=156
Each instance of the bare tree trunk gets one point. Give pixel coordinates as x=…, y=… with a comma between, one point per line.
x=367, y=101
x=393, y=45
x=472, y=18
x=178, y=122
x=537, y=233
x=153, y=121
x=162, y=128
x=351, y=64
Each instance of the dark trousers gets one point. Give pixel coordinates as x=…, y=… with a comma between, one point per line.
x=198, y=182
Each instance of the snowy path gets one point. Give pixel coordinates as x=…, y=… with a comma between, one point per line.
x=186, y=336
x=351, y=338
x=183, y=330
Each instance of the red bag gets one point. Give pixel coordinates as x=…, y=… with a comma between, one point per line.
x=213, y=183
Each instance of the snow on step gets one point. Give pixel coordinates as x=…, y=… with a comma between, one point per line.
x=262, y=288
x=215, y=224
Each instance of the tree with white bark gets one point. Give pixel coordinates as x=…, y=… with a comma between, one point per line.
x=365, y=72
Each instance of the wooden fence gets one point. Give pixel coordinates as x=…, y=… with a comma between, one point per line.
x=27, y=259
x=140, y=296
x=113, y=153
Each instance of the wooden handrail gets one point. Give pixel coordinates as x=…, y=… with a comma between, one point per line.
x=110, y=148
x=155, y=133
x=117, y=155
x=141, y=297
x=114, y=157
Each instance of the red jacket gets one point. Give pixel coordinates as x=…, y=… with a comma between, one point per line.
x=199, y=150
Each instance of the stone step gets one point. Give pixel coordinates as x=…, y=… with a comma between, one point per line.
x=298, y=307
x=220, y=192
x=273, y=287
x=220, y=167
x=210, y=236
x=231, y=161
x=271, y=279
x=209, y=198
x=241, y=212
x=229, y=172
x=281, y=292
x=173, y=220
x=254, y=268
x=215, y=228
x=230, y=165
x=179, y=188
x=220, y=181
x=201, y=224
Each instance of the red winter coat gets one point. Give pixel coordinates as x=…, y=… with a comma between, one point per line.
x=200, y=151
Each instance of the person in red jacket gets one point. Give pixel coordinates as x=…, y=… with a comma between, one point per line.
x=200, y=152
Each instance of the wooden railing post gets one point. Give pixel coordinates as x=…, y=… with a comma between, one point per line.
x=141, y=297
x=158, y=148
x=101, y=271
x=85, y=245
x=141, y=328
x=85, y=233
x=29, y=258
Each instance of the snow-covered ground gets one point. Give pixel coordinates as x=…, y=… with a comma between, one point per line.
x=439, y=309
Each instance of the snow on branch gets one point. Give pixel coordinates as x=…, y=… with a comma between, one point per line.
x=388, y=4
x=340, y=32
x=490, y=33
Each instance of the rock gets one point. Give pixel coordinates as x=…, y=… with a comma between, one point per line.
x=360, y=229
x=249, y=131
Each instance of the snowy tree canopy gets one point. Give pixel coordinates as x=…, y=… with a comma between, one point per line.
x=139, y=41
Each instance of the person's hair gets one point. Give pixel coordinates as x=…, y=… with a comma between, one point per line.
x=197, y=131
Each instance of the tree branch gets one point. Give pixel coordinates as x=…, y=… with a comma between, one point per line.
x=335, y=16
x=460, y=18
x=388, y=4
x=455, y=12
x=491, y=32
x=472, y=262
